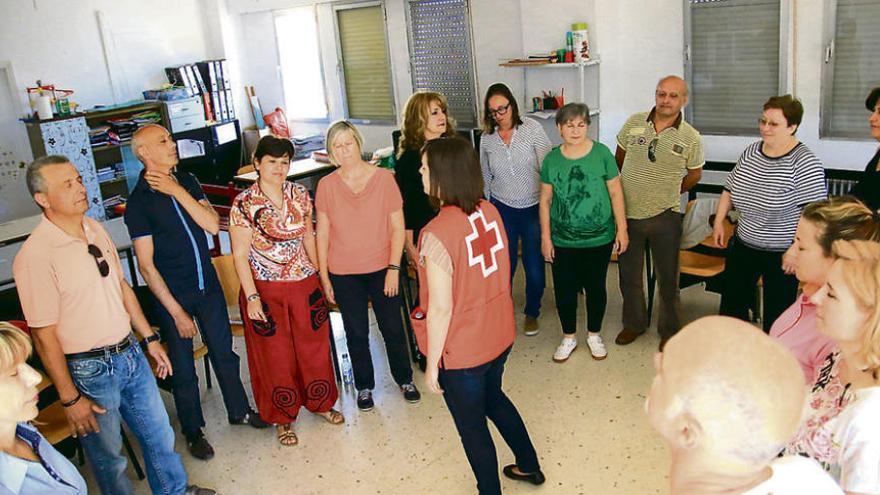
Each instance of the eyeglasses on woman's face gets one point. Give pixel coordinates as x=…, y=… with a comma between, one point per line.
x=498, y=111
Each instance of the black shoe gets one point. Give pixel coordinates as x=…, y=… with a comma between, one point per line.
x=410, y=392
x=536, y=478
x=197, y=490
x=251, y=418
x=365, y=400
x=199, y=447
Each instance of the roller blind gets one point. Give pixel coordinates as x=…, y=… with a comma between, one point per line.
x=365, y=65
x=440, y=54
x=854, y=68
x=734, y=63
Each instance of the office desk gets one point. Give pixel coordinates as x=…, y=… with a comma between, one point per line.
x=13, y=234
x=299, y=169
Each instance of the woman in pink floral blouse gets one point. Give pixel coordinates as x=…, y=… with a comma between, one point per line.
x=842, y=429
x=283, y=307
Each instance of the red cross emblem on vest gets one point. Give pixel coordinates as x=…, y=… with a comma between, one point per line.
x=483, y=242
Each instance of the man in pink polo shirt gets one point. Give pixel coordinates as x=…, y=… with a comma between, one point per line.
x=81, y=311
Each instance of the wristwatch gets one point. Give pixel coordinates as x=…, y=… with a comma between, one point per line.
x=152, y=338
x=253, y=297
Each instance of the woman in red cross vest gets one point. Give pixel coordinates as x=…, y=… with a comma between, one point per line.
x=465, y=325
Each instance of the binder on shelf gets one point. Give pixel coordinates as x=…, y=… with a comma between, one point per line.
x=224, y=70
x=177, y=76
x=215, y=105
x=218, y=72
x=222, y=104
x=230, y=107
x=206, y=71
x=197, y=76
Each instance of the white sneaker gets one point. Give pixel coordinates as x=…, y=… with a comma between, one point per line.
x=597, y=347
x=564, y=350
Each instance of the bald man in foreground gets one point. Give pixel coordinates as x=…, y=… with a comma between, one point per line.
x=726, y=398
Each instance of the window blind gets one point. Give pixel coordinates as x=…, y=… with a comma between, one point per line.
x=440, y=54
x=365, y=65
x=734, y=57
x=855, y=69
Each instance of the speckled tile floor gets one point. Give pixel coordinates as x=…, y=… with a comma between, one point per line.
x=585, y=418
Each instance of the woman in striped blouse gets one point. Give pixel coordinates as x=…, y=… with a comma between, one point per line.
x=770, y=185
x=511, y=152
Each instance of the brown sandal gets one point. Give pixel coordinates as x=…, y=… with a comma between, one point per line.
x=286, y=436
x=333, y=417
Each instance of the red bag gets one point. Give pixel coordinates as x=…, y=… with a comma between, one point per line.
x=277, y=122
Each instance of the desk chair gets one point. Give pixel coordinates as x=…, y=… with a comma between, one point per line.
x=225, y=267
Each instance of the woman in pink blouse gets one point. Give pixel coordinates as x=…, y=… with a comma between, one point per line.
x=809, y=257
x=360, y=244
x=842, y=429
x=283, y=307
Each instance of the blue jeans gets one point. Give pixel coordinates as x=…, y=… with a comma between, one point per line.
x=124, y=385
x=474, y=394
x=523, y=223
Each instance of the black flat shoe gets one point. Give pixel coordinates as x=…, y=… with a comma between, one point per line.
x=535, y=478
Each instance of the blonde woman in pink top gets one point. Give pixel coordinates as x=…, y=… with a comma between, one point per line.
x=360, y=244
x=809, y=258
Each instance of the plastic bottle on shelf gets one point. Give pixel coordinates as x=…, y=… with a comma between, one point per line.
x=580, y=41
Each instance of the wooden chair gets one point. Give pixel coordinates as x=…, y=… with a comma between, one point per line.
x=225, y=267
x=200, y=351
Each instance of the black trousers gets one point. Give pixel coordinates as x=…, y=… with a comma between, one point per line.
x=208, y=309
x=473, y=395
x=744, y=266
x=576, y=270
x=352, y=293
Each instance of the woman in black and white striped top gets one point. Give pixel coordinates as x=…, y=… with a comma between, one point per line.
x=770, y=185
x=511, y=152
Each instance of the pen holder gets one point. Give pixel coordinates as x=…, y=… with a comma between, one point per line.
x=550, y=103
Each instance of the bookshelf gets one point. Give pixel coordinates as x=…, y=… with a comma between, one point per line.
x=116, y=167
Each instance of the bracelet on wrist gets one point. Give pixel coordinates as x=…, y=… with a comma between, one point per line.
x=73, y=401
x=394, y=267
x=151, y=338
x=253, y=297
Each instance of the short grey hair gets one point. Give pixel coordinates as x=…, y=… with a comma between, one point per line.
x=571, y=111
x=34, y=178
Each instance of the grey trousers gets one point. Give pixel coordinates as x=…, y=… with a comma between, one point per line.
x=662, y=233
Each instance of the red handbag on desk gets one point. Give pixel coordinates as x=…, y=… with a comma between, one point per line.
x=277, y=122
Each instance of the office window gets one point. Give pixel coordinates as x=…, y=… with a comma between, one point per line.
x=732, y=62
x=302, y=78
x=365, y=66
x=851, y=69
x=441, y=55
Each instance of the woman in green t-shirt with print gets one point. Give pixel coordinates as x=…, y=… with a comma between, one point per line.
x=582, y=221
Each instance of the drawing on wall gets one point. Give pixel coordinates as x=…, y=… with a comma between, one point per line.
x=70, y=138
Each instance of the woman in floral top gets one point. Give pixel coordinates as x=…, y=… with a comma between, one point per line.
x=842, y=429
x=283, y=307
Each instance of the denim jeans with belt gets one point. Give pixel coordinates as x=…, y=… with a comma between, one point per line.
x=523, y=223
x=123, y=384
x=474, y=394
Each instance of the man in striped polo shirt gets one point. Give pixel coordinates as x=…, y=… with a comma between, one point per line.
x=661, y=157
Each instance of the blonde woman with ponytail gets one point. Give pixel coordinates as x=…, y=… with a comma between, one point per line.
x=810, y=259
x=842, y=429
